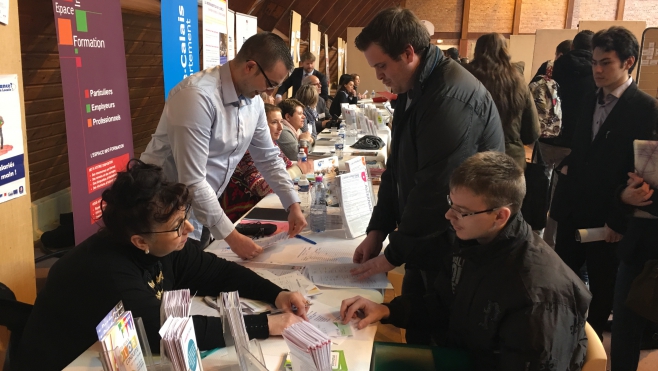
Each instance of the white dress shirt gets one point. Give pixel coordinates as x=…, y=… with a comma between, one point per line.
x=203, y=132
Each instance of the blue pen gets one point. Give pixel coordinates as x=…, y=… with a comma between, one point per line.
x=306, y=239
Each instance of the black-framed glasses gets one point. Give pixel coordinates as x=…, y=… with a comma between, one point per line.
x=461, y=215
x=179, y=228
x=270, y=85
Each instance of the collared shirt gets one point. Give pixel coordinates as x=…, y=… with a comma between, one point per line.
x=604, y=105
x=203, y=132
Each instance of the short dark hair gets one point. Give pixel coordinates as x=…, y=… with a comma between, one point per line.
x=620, y=40
x=583, y=40
x=307, y=56
x=564, y=47
x=139, y=199
x=493, y=175
x=267, y=49
x=288, y=106
x=453, y=53
x=344, y=80
x=393, y=29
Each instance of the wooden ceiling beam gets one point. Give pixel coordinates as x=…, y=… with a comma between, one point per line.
x=345, y=15
x=568, y=19
x=621, y=4
x=516, y=23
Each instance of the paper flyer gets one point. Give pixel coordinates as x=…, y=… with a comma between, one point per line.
x=215, y=37
x=12, y=153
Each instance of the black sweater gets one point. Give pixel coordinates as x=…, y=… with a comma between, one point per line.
x=89, y=281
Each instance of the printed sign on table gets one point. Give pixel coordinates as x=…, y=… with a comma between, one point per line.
x=12, y=159
x=96, y=102
x=180, y=41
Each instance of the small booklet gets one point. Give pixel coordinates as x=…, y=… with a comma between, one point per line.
x=180, y=343
x=310, y=349
x=118, y=337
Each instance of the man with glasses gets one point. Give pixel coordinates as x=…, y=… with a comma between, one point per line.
x=209, y=121
x=321, y=109
x=443, y=115
x=503, y=295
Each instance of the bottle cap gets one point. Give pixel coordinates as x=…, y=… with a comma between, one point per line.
x=318, y=178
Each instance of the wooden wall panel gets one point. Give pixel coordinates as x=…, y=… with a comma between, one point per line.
x=44, y=104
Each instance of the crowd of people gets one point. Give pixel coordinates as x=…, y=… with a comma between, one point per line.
x=477, y=277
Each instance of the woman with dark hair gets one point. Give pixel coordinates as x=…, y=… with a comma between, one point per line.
x=492, y=66
x=292, y=111
x=141, y=252
x=345, y=94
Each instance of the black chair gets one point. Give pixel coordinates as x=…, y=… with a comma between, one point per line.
x=13, y=315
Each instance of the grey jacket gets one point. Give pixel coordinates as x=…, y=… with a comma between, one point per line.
x=288, y=143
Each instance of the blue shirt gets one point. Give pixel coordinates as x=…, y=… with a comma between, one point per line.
x=203, y=132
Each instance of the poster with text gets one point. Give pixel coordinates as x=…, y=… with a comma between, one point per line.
x=230, y=21
x=180, y=41
x=214, y=33
x=96, y=103
x=245, y=27
x=12, y=154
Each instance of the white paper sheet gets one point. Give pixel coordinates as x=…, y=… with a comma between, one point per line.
x=356, y=203
x=339, y=276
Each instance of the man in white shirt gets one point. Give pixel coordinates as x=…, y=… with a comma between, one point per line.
x=209, y=121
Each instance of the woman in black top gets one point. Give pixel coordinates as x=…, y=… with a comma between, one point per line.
x=140, y=253
x=345, y=94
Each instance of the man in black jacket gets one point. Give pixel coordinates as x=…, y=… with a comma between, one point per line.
x=503, y=295
x=600, y=159
x=443, y=116
x=573, y=73
x=299, y=73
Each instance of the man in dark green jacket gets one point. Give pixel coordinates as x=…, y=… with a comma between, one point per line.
x=503, y=295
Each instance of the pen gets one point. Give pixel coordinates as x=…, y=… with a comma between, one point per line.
x=306, y=239
x=206, y=353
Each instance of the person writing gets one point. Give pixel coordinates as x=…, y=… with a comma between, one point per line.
x=143, y=250
x=209, y=121
x=503, y=294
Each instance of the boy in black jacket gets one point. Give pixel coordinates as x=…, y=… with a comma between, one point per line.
x=503, y=295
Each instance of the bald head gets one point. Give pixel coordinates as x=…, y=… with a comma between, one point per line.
x=312, y=80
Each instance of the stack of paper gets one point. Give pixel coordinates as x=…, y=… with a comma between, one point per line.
x=310, y=349
x=176, y=303
x=180, y=344
x=118, y=337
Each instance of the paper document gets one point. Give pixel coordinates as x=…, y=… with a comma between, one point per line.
x=356, y=203
x=339, y=276
x=327, y=320
x=590, y=235
x=294, y=281
x=646, y=166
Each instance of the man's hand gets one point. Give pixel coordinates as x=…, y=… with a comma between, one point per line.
x=637, y=192
x=286, y=299
x=370, y=247
x=611, y=236
x=306, y=167
x=242, y=245
x=279, y=322
x=372, y=311
x=373, y=266
x=296, y=220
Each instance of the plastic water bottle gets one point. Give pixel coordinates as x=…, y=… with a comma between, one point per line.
x=319, y=207
x=340, y=143
x=341, y=132
x=372, y=94
x=302, y=155
x=304, y=193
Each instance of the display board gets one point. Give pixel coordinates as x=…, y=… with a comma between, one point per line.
x=17, y=248
x=230, y=23
x=358, y=64
x=214, y=33
x=295, y=39
x=326, y=58
x=180, y=41
x=522, y=49
x=647, y=67
x=545, y=43
x=96, y=101
x=246, y=26
x=314, y=40
x=339, y=59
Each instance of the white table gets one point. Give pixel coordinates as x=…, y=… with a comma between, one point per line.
x=357, y=348
x=327, y=146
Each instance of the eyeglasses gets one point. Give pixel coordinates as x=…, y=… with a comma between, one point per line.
x=270, y=85
x=179, y=228
x=463, y=215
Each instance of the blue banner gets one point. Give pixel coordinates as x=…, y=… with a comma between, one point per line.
x=12, y=169
x=180, y=41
